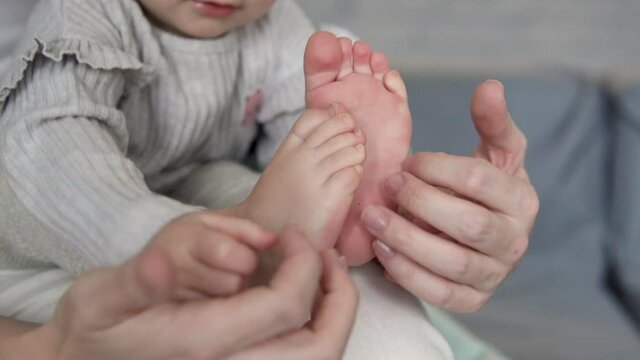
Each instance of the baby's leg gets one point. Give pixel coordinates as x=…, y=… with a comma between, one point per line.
x=336, y=70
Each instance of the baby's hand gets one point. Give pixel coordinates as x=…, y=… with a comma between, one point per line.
x=213, y=254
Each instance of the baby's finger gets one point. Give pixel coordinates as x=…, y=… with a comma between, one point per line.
x=286, y=304
x=243, y=230
x=326, y=336
x=211, y=282
x=222, y=252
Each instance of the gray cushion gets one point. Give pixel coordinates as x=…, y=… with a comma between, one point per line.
x=625, y=231
x=555, y=305
x=13, y=18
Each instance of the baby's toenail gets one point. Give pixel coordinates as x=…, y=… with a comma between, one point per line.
x=359, y=169
x=360, y=148
x=357, y=133
x=394, y=184
x=374, y=218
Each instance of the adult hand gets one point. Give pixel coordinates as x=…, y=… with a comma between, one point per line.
x=466, y=220
x=130, y=311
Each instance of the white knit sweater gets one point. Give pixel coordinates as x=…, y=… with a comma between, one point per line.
x=104, y=115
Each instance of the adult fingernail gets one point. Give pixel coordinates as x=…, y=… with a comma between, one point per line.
x=374, y=218
x=383, y=250
x=394, y=184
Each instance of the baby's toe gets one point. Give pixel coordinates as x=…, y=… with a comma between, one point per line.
x=362, y=58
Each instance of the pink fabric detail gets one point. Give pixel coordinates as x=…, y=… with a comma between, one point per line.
x=251, y=108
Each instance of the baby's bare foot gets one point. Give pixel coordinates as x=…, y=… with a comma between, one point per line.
x=337, y=71
x=312, y=179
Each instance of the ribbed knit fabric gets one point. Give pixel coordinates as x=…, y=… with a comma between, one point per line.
x=103, y=114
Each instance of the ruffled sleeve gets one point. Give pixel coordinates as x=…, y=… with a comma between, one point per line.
x=95, y=55
x=100, y=37
x=70, y=194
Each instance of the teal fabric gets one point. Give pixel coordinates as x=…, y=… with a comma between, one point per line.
x=464, y=344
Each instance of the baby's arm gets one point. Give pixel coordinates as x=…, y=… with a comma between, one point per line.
x=70, y=194
x=286, y=33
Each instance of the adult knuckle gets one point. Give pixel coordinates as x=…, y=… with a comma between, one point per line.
x=519, y=247
x=401, y=239
x=293, y=313
x=405, y=272
x=530, y=202
x=477, y=225
x=493, y=278
x=461, y=266
x=476, y=177
x=412, y=197
x=476, y=302
x=523, y=141
x=444, y=297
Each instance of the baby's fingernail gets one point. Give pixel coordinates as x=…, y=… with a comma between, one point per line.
x=359, y=169
x=360, y=148
x=340, y=258
x=374, y=218
x=394, y=184
x=357, y=133
x=383, y=250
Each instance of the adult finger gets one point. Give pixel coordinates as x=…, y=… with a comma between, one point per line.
x=475, y=179
x=502, y=143
x=327, y=335
x=443, y=257
x=475, y=225
x=285, y=305
x=430, y=287
x=240, y=229
x=336, y=312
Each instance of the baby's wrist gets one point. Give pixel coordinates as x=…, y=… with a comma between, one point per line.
x=237, y=211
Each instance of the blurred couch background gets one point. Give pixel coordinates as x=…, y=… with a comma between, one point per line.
x=591, y=35
x=570, y=71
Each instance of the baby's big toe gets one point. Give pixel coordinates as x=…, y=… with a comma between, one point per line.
x=322, y=60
